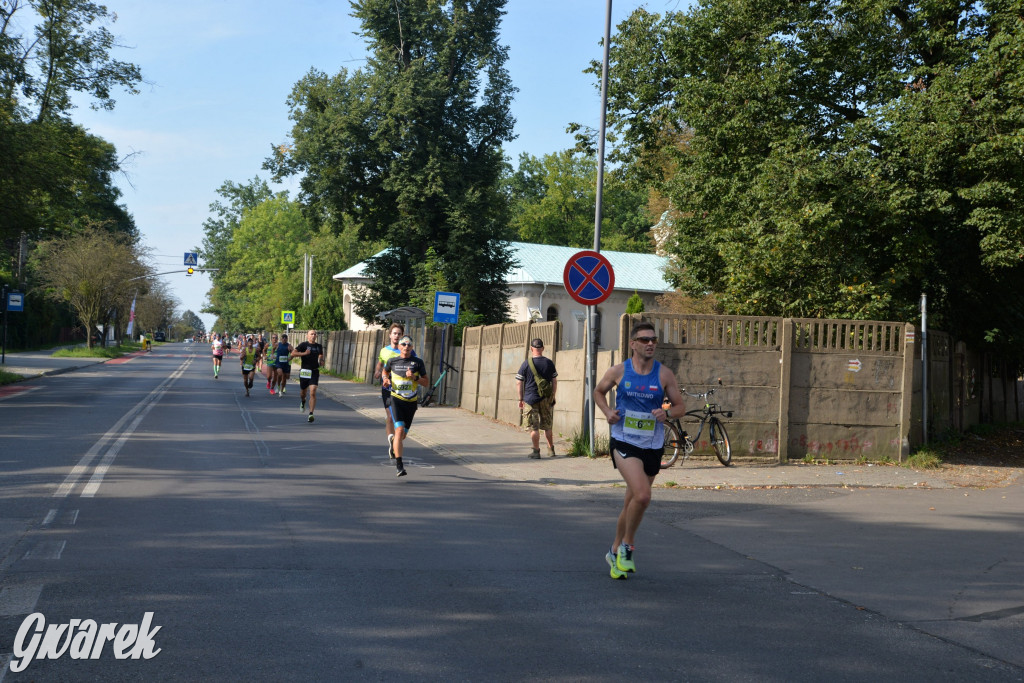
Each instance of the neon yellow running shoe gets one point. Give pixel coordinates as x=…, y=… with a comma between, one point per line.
x=624, y=559
x=614, y=573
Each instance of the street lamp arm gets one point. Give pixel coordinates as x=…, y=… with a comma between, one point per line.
x=169, y=272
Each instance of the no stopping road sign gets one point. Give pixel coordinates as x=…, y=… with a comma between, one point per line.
x=588, y=277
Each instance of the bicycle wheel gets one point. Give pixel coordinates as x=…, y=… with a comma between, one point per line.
x=674, y=446
x=720, y=441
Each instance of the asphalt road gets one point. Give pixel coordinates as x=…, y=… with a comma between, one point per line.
x=268, y=548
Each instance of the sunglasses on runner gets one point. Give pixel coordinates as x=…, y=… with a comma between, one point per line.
x=646, y=340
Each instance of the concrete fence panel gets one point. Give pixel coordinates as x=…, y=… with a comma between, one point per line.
x=514, y=343
x=845, y=390
x=489, y=372
x=470, y=370
x=835, y=389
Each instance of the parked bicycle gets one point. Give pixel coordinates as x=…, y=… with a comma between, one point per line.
x=679, y=443
x=427, y=398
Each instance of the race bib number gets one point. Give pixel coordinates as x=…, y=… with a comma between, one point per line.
x=247, y=367
x=282, y=359
x=305, y=373
x=640, y=425
x=403, y=386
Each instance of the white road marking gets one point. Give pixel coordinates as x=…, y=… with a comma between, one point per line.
x=17, y=600
x=46, y=550
x=253, y=428
x=139, y=411
x=407, y=462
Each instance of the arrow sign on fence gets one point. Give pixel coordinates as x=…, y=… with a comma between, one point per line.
x=853, y=365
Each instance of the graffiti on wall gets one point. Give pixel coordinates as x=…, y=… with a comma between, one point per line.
x=840, y=447
x=768, y=443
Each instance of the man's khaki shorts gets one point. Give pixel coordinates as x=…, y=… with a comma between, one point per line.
x=539, y=415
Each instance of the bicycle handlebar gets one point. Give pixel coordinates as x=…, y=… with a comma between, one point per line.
x=708, y=408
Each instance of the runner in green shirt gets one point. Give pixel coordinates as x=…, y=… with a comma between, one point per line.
x=387, y=353
x=247, y=356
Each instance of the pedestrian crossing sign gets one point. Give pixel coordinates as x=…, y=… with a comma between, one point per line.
x=287, y=317
x=191, y=258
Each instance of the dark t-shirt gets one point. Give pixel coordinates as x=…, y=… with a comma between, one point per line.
x=312, y=361
x=545, y=368
x=404, y=387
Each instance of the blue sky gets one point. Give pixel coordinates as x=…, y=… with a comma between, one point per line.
x=218, y=73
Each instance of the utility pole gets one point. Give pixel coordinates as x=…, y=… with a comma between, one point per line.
x=591, y=331
x=307, y=278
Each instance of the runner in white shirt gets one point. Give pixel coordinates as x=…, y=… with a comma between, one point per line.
x=217, y=346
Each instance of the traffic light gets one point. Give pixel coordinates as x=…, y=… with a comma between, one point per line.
x=190, y=270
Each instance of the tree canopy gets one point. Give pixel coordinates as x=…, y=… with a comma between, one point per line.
x=835, y=158
x=56, y=179
x=552, y=200
x=408, y=149
x=96, y=272
x=260, y=262
x=53, y=175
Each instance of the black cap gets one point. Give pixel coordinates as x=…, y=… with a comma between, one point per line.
x=537, y=344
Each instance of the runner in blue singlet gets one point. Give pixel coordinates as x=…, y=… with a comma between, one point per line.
x=637, y=434
x=284, y=366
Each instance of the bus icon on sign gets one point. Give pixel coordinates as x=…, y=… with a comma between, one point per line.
x=446, y=308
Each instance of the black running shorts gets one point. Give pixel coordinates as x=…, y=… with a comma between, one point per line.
x=313, y=379
x=650, y=457
x=403, y=412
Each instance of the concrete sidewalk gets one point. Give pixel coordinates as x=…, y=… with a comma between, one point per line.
x=501, y=451
x=30, y=364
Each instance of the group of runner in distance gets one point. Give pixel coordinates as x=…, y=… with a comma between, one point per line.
x=272, y=358
x=400, y=370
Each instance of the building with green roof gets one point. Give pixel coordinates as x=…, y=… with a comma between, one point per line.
x=538, y=292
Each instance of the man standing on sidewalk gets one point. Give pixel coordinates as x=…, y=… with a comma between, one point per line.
x=401, y=375
x=311, y=355
x=638, y=433
x=536, y=384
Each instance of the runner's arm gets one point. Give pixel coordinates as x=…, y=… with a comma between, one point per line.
x=610, y=379
x=675, y=397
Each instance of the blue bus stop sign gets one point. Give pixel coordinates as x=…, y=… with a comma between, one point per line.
x=15, y=301
x=446, y=308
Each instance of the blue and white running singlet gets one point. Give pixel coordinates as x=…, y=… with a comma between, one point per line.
x=635, y=397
